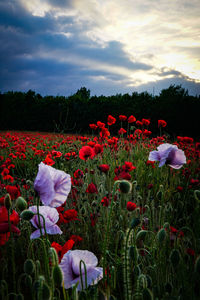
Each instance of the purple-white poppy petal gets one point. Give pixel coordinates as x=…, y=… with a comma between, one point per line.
x=93, y=276
x=88, y=257
x=36, y=234
x=55, y=188
x=166, y=146
x=44, y=185
x=53, y=229
x=178, y=159
x=154, y=156
x=66, y=267
x=50, y=215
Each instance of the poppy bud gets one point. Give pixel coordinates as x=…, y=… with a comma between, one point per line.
x=197, y=195
x=53, y=255
x=166, y=226
x=125, y=186
x=20, y=297
x=161, y=235
x=27, y=215
x=21, y=203
x=29, y=266
x=141, y=235
x=57, y=276
x=28, y=281
x=147, y=294
x=133, y=253
x=7, y=201
x=174, y=257
x=134, y=223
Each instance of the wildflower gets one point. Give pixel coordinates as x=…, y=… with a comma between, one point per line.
x=13, y=191
x=52, y=185
x=145, y=122
x=121, y=131
x=93, y=126
x=104, y=168
x=122, y=118
x=168, y=154
x=98, y=148
x=131, y=206
x=51, y=217
x=4, y=226
x=61, y=250
x=128, y=166
x=86, y=152
x=111, y=120
x=73, y=269
x=131, y=119
x=92, y=188
x=48, y=160
x=100, y=124
x=162, y=123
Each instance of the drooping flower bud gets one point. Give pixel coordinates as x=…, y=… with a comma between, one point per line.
x=29, y=266
x=57, y=276
x=161, y=235
x=7, y=201
x=134, y=223
x=174, y=257
x=21, y=203
x=27, y=215
x=125, y=186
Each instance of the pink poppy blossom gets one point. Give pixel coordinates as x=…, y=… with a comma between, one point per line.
x=168, y=154
x=70, y=266
x=52, y=185
x=51, y=217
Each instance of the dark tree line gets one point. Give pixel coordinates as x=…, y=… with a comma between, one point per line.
x=31, y=111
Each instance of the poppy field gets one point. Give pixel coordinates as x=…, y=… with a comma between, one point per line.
x=100, y=216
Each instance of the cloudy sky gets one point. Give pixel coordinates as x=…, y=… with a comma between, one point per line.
x=109, y=46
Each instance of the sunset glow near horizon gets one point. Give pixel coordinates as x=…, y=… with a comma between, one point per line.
x=112, y=46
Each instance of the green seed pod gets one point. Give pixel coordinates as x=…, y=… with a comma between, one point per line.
x=161, y=235
x=45, y=292
x=27, y=215
x=141, y=234
x=197, y=195
x=20, y=297
x=125, y=186
x=29, y=266
x=54, y=256
x=57, y=276
x=147, y=294
x=197, y=265
x=134, y=223
x=7, y=201
x=174, y=257
x=28, y=281
x=21, y=203
x=149, y=281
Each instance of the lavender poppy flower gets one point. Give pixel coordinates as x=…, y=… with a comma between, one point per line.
x=70, y=266
x=52, y=185
x=168, y=154
x=51, y=217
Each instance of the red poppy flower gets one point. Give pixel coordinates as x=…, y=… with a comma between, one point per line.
x=100, y=124
x=145, y=122
x=128, y=166
x=92, y=188
x=122, y=118
x=131, y=206
x=76, y=238
x=98, y=148
x=86, y=152
x=121, y=131
x=93, y=126
x=131, y=119
x=111, y=120
x=162, y=123
x=104, y=168
x=70, y=215
x=48, y=160
x=13, y=191
x=139, y=123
